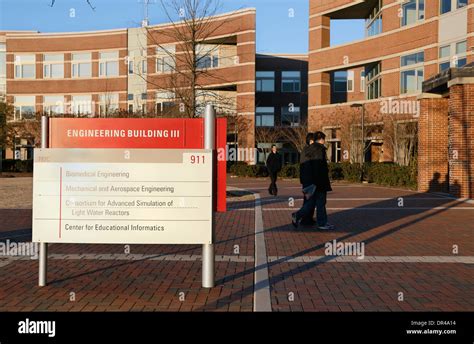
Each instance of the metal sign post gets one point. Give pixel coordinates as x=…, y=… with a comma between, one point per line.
x=208, y=249
x=43, y=250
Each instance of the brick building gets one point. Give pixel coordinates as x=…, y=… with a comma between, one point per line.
x=373, y=83
x=281, y=101
x=132, y=70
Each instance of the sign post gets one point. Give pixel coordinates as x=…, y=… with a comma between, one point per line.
x=126, y=181
x=208, y=249
x=43, y=254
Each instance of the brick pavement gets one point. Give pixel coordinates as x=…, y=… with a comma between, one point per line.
x=402, y=247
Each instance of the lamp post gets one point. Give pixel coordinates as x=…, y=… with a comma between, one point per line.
x=362, y=125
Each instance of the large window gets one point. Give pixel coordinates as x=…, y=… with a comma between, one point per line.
x=412, y=11
x=373, y=81
x=207, y=56
x=344, y=81
x=452, y=55
x=290, y=81
x=290, y=116
x=265, y=116
x=165, y=59
x=53, y=105
x=265, y=82
x=412, y=72
x=81, y=105
x=373, y=24
x=24, y=107
x=81, y=65
x=108, y=64
x=53, y=66
x=25, y=66
x=446, y=6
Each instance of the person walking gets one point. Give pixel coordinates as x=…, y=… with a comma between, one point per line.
x=273, y=166
x=314, y=177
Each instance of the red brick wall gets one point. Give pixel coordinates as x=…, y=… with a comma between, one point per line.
x=433, y=145
x=461, y=144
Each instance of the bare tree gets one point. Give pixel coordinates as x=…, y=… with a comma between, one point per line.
x=401, y=136
x=188, y=64
x=296, y=136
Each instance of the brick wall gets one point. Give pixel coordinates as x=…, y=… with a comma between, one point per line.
x=433, y=145
x=461, y=144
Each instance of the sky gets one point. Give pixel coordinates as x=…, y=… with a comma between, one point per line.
x=282, y=25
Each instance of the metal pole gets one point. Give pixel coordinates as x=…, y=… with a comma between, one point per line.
x=43, y=254
x=208, y=249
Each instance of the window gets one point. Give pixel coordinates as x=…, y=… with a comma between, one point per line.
x=411, y=79
x=108, y=103
x=448, y=5
x=444, y=66
x=350, y=81
x=340, y=81
x=130, y=108
x=108, y=64
x=144, y=66
x=290, y=81
x=144, y=96
x=265, y=82
x=374, y=81
x=53, y=105
x=445, y=51
x=362, y=81
x=165, y=61
x=461, y=48
x=412, y=59
x=3, y=60
x=290, y=116
x=24, y=107
x=81, y=104
x=130, y=96
x=25, y=66
x=412, y=11
x=373, y=24
x=452, y=55
x=164, y=103
x=53, y=66
x=207, y=56
x=265, y=116
x=130, y=67
x=81, y=65
x=445, y=6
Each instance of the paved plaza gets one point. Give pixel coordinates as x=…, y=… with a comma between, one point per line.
x=417, y=255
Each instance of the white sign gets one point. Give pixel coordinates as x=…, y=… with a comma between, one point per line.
x=117, y=196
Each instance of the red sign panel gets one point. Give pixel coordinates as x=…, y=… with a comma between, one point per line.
x=140, y=133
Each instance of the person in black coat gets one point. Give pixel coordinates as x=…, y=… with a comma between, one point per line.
x=273, y=166
x=314, y=178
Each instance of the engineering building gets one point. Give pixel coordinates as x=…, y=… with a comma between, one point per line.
x=375, y=83
x=136, y=70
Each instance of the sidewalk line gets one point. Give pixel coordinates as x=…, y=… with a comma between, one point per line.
x=378, y=259
x=123, y=256
x=261, y=295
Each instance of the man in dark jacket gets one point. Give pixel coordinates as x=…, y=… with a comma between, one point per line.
x=314, y=177
x=273, y=166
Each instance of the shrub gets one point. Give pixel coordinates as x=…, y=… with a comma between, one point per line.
x=11, y=165
x=387, y=174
